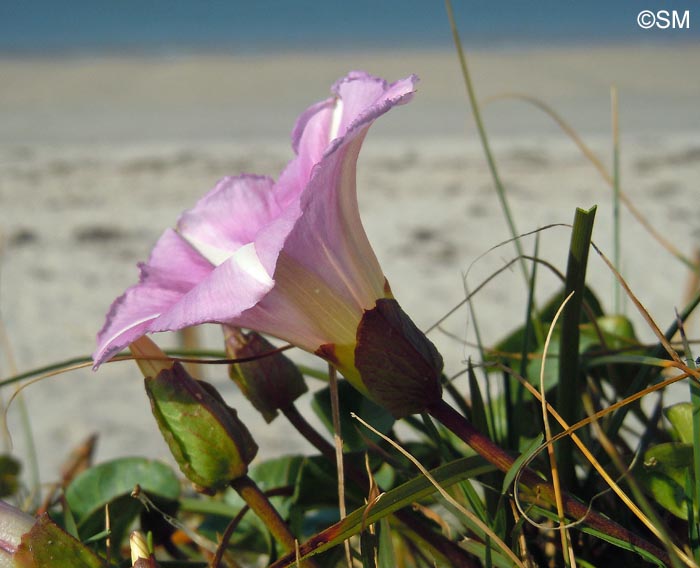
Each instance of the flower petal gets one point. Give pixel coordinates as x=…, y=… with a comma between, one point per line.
x=229, y=216
x=365, y=97
x=232, y=288
x=329, y=239
x=290, y=259
x=327, y=274
x=208, y=271
x=173, y=269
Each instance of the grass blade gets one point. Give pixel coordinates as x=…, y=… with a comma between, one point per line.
x=568, y=399
x=414, y=490
x=500, y=189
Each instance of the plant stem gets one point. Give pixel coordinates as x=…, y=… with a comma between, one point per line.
x=339, y=459
x=456, y=556
x=504, y=461
x=261, y=506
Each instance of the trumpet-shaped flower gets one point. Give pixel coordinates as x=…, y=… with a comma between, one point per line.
x=287, y=258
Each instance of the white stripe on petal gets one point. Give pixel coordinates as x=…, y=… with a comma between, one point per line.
x=215, y=255
x=247, y=258
x=131, y=326
x=336, y=119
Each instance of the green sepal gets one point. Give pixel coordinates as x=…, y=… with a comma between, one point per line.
x=208, y=441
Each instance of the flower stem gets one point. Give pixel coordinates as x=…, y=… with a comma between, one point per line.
x=456, y=556
x=309, y=432
x=503, y=460
x=261, y=506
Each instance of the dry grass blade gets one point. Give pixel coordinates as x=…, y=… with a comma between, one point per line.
x=567, y=551
x=624, y=470
x=337, y=438
x=598, y=165
x=570, y=431
x=640, y=307
x=471, y=516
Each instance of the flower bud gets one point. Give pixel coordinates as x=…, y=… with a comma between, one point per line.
x=210, y=444
x=398, y=365
x=271, y=383
x=140, y=554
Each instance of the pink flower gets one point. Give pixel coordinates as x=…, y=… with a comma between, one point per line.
x=287, y=258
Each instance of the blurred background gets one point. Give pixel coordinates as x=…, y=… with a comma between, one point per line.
x=117, y=116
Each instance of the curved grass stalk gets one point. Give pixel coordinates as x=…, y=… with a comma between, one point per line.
x=569, y=431
x=640, y=307
x=636, y=491
x=512, y=261
x=617, y=259
x=200, y=357
x=567, y=551
x=500, y=189
x=25, y=421
x=598, y=165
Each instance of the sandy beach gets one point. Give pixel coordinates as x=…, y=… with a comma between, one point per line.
x=99, y=155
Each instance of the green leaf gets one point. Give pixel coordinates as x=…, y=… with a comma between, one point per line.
x=664, y=474
x=513, y=343
x=681, y=418
x=517, y=464
x=48, y=546
x=276, y=473
x=351, y=400
x=112, y=483
x=387, y=558
x=317, y=485
x=414, y=490
x=618, y=332
x=481, y=550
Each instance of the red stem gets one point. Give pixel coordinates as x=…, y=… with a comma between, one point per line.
x=503, y=460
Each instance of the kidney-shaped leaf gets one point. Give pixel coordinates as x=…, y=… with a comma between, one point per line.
x=111, y=483
x=664, y=473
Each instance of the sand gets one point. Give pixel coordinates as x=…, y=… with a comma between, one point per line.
x=99, y=155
